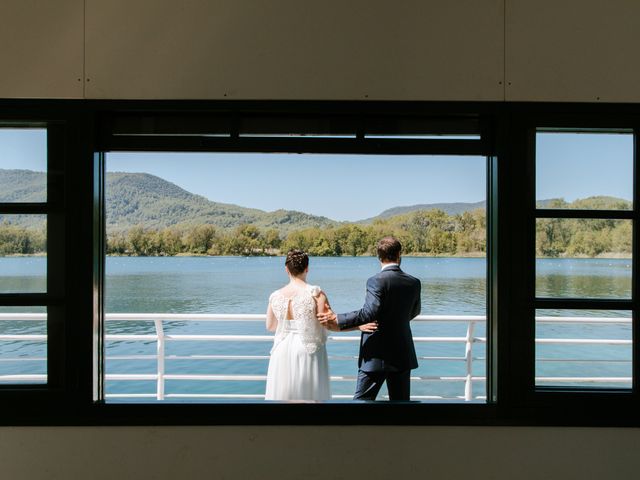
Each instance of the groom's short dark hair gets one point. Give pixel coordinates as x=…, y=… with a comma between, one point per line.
x=389, y=249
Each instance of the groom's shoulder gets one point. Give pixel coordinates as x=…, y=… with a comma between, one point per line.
x=406, y=276
x=412, y=278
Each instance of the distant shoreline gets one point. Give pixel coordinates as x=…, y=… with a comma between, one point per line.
x=605, y=256
x=204, y=255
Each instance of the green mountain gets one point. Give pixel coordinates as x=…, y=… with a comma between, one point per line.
x=22, y=186
x=599, y=202
x=144, y=199
x=448, y=208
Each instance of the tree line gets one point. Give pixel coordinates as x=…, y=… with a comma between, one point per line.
x=431, y=232
x=18, y=240
x=564, y=237
x=584, y=237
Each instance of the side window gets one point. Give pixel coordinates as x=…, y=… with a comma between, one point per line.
x=23, y=255
x=584, y=267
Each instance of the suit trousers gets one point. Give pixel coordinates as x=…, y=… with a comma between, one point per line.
x=369, y=384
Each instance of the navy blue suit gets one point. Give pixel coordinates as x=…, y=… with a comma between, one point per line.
x=393, y=300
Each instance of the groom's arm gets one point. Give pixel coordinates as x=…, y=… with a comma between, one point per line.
x=369, y=312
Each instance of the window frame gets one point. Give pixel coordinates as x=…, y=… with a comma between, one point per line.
x=506, y=132
x=54, y=296
x=350, y=120
x=551, y=402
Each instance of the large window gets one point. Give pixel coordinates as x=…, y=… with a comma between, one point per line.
x=139, y=243
x=195, y=244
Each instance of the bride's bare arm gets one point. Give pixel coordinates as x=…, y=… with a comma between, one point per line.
x=322, y=303
x=272, y=321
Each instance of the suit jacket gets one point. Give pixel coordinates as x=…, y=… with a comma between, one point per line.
x=393, y=299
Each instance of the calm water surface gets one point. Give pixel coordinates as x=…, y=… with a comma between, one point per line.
x=243, y=285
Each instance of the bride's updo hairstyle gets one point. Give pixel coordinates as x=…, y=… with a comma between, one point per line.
x=297, y=262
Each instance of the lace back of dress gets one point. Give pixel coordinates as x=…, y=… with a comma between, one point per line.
x=303, y=307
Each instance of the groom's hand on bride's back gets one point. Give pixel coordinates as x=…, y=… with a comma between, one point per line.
x=329, y=320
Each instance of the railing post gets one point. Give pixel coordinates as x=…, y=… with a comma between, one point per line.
x=160, y=359
x=468, y=356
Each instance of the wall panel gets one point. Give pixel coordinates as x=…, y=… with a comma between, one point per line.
x=451, y=453
x=42, y=49
x=287, y=49
x=573, y=50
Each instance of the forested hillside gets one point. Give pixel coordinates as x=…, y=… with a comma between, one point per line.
x=565, y=237
x=22, y=186
x=147, y=215
x=144, y=199
x=448, y=208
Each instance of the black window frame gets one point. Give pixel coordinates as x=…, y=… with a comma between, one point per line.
x=558, y=405
x=55, y=295
x=341, y=131
x=84, y=129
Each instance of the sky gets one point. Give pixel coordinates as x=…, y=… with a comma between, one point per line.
x=580, y=165
x=354, y=187
x=341, y=187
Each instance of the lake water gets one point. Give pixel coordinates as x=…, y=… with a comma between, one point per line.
x=230, y=285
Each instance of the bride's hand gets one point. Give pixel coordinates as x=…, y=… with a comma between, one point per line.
x=368, y=327
x=329, y=320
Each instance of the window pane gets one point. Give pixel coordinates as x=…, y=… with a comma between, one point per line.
x=23, y=250
x=196, y=245
x=583, y=348
x=588, y=258
x=23, y=345
x=584, y=170
x=23, y=165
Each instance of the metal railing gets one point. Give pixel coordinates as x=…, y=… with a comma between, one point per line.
x=161, y=338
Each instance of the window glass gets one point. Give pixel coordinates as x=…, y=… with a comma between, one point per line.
x=584, y=348
x=195, y=246
x=583, y=258
x=584, y=170
x=23, y=165
x=23, y=250
x=23, y=345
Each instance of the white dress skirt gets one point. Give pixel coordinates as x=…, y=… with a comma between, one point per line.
x=298, y=367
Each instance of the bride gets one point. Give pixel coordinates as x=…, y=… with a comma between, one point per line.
x=298, y=368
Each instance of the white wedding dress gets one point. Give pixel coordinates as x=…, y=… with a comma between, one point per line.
x=298, y=368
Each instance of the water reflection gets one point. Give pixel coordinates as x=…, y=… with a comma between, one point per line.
x=583, y=278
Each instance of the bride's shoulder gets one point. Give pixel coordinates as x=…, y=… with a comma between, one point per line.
x=275, y=293
x=314, y=290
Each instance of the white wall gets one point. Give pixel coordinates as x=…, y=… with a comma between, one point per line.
x=573, y=50
x=288, y=49
x=41, y=49
x=488, y=50
x=430, y=453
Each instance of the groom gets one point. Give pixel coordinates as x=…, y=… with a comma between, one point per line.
x=387, y=354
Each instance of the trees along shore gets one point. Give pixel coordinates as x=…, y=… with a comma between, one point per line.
x=17, y=240
x=429, y=233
